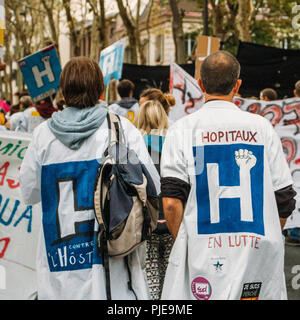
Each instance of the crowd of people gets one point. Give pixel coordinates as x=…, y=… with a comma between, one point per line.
x=222, y=206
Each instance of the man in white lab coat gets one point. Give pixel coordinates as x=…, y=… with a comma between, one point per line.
x=227, y=191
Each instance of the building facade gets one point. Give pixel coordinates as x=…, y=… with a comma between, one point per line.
x=156, y=34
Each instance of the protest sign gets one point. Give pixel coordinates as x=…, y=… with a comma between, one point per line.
x=111, y=61
x=290, y=139
x=285, y=117
x=205, y=46
x=186, y=91
x=41, y=72
x=19, y=223
x=279, y=112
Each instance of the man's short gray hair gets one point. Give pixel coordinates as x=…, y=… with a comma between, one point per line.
x=220, y=72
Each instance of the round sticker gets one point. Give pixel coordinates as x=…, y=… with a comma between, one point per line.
x=201, y=288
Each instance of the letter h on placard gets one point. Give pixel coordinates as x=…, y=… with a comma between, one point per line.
x=38, y=75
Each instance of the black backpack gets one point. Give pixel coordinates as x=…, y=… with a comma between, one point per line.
x=125, y=200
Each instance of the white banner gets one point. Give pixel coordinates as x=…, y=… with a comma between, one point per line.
x=19, y=224
x=283, y=114
x=285, y=117
x=279, y=112
x=290, y=139
x=186, y=91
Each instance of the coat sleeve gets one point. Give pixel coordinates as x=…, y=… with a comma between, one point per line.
x=30, y=175
x=286, y=203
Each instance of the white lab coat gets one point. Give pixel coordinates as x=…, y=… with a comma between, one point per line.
x=26, y=121
x=229, y=244
x=68, y=265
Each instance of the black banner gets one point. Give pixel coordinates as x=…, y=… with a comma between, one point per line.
x=145, y=77
x=268, y=67
x=261, y=67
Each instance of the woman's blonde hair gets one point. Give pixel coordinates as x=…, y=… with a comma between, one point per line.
x=151, y=116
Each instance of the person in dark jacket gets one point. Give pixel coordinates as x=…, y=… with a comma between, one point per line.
x=128, y=106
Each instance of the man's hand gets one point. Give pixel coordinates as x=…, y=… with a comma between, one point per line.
x=173, y=211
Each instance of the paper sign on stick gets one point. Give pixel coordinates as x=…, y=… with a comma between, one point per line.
x=111, y=61
x=205, y=46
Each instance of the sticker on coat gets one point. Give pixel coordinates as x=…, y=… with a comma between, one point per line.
x=201, y=288
x=251, y=291
x=218, y=265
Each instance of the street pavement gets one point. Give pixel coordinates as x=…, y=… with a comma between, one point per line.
x=292, y=271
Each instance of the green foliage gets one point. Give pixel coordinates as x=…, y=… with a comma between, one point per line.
x=270, y=21
x=273, y=25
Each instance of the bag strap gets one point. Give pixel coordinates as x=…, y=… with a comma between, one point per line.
x=129, y=276
x=146, y=229
x=116, y=133
x=105, y=261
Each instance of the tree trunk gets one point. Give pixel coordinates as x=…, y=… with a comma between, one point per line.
x=178, y=34
x=71, y=23
x=150, y=6
x=205, y=18
x=218, y=13
x=95, y=45
x=131, y=32
x=103, y=26
x=99, y=34
x=54, y=34
x=137, y=31
x=244, y=18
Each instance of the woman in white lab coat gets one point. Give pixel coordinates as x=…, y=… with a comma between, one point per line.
x=60, y=169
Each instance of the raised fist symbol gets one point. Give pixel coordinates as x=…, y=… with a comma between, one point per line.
x=245, y=159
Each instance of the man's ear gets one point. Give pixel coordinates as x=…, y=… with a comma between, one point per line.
x=237, y=86
x=201, y=85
